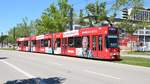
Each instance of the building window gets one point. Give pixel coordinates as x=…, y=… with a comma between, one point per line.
x=147, y=32
x=141, y=32
x=136, y=32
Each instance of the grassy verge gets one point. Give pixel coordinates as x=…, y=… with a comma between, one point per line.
x=139, y=53
x=7, y=49
x=135, y=61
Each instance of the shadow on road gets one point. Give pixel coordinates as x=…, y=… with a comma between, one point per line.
x=53, y=80
x=1, y=58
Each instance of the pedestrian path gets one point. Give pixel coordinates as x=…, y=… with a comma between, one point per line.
x=142, y=56
x=125, y=54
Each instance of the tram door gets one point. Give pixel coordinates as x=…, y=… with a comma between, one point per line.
x=64, y=46
x=95, y=46
x=21, y=45
x=100, y=48
x=38, y=45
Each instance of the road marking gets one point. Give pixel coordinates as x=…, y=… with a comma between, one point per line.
x=101, y=74
x=58, y=64
x=18, y=69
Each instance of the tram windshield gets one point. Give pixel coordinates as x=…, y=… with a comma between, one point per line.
x=112, y=42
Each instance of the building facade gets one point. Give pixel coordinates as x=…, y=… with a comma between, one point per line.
x=141, y=15
x=144, y=39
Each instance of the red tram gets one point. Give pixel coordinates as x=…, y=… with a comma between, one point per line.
x=93, y=42
x=23, y=44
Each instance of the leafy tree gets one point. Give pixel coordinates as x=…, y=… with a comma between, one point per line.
x=20, y=30
x=81, y=15
x=32, y=26
x=54, y=18
x=120, y=4
x=97, y=9
x=3, y=38
x=129, y=25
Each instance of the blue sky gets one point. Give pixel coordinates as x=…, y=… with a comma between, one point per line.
x=12, y=11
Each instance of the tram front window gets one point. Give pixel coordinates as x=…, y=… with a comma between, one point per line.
x=112, y=42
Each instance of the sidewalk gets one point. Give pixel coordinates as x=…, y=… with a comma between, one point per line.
x=125, y=54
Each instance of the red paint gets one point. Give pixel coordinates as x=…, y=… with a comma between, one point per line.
x=98, y=32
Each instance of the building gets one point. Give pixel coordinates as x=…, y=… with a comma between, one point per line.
x=144, y=38
x=143, y=34
x=141, y=15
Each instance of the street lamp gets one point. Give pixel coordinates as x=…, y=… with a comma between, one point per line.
x=144, y=39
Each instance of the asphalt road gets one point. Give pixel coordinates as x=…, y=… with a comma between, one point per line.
x=15, y=65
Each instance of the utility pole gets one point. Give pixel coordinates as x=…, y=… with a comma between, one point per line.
x=71, y=18
x=14, y=37
x=2, y=39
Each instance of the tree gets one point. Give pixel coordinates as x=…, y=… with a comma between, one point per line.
x=33, y=30
x=3, y=40
x=120, y=4
x=97, y=9
x=3, y=37
x=54, y=18
x=129, y=25
x=81, y=17
x=20, y=30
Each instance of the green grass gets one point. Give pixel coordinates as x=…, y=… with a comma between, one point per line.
x=135, y=61
x=7, y=49
x=147, y=53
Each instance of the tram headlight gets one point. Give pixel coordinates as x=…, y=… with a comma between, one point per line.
x=113, y=57
x=114, y=53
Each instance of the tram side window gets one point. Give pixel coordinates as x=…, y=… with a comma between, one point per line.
x=70, y=42
x=45, y=43
x=42, y=43
x=78, y=42
x=64, y=42
x=26, y=43
x=33, y=43
x=100, y=43
x=94, y=43
x=58, y=42
x=19, y=43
